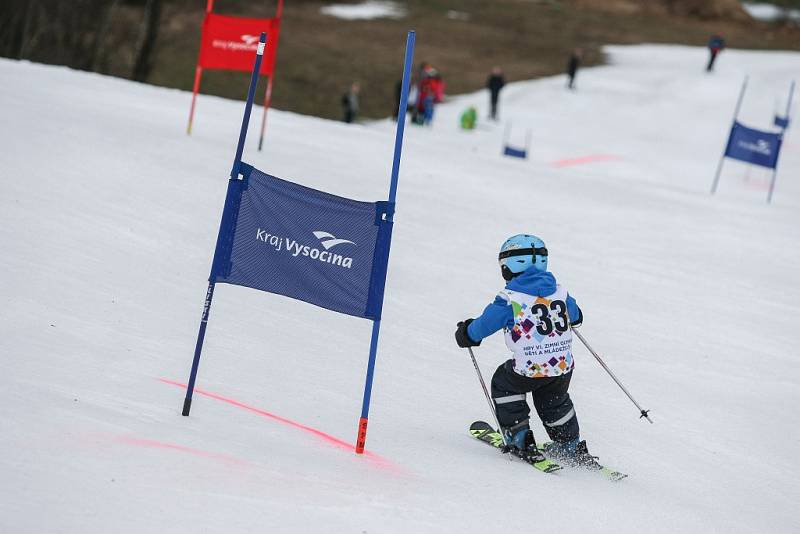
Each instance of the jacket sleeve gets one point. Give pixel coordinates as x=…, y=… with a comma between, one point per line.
x=494, y=317
x=574, y=311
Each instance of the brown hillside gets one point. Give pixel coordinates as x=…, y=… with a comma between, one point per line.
x=320, y=56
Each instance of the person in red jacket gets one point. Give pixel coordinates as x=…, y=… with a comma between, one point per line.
x=430, y=92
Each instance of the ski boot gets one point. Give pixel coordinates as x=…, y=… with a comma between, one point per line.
x=521, y=443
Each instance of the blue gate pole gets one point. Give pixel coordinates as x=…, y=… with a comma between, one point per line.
x=527, y=141
x=201, y=333
x=398, y=149
x=789, y=102
x=775, y=170
x=735, y=118
x=772, y=183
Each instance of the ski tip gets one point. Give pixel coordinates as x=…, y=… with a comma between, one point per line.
x=480, y=425
x=615, y=476
x=547, y=466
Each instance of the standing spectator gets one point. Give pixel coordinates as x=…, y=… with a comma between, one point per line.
x=350, y=103
x=429, y=93
x=494, y=83
x=572, y=66
x=715, y=45
x=398, y=92
x=414, y=101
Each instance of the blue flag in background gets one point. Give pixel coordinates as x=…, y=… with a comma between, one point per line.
x=753, y=146
x=306, y=244
x=781, y=122
x=515, y=152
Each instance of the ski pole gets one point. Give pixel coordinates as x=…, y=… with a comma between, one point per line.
x=599, y=359
x=486, y=393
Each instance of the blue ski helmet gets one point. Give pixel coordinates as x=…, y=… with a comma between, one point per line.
x=520, y=252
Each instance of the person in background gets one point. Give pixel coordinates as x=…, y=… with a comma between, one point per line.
x=414, y=101
x=494, y=83
x=350, y=103
x=572, y=66
x=715, y=45
x=430, y=92
x=398, y=91
x=468, y=118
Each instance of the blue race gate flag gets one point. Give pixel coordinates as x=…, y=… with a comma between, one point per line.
x=515, y=152
x=512, y=151
x=292, y=240
x=753, y=146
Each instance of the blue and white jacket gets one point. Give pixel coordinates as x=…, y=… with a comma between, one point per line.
x=536, y=314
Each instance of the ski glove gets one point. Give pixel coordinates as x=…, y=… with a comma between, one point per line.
x=577, y=322
x=462, y=337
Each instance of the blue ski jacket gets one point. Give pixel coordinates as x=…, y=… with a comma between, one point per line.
x=499, y=313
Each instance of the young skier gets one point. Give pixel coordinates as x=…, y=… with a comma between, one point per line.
x=715, y=45
x=536, y=314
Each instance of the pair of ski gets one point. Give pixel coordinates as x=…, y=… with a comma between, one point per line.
x=484, y=432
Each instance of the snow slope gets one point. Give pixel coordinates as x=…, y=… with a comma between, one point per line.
x=370, y=9
x=109, y=219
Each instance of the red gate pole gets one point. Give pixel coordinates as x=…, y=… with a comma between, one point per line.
x=268, y=92
x=267, y=98
x=198, y=73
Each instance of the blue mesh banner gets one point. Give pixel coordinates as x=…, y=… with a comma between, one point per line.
x=781, y=122
x=292, y=240
x=753, y=146
x=515, y=152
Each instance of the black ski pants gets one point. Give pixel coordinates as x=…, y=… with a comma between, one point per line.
x=495, y=95
x=550, y=398
x=711, y=60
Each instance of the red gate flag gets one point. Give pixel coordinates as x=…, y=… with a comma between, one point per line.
x=230, y=42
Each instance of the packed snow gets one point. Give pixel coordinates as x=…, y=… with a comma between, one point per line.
x=109, y=219
x=770, y=12
x=370, y=9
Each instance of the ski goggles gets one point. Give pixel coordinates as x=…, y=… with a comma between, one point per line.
x=522, y=252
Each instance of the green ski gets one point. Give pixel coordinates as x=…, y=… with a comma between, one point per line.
x=484, y=432
x=611, y=474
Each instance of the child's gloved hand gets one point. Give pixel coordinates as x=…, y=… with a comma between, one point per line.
x=462, y=337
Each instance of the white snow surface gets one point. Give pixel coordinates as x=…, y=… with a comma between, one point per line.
x=370, y=9
x=109, y=219
x=770, y=12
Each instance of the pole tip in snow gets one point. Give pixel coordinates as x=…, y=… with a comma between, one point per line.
x=187, y=405
x=644, y=414
x=361, y=441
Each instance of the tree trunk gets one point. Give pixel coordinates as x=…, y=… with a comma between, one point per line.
x=24, y=38
x=100, y=36
x=144, y=63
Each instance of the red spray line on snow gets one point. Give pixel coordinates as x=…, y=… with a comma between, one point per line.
x=263, y=413
x=594, y=158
